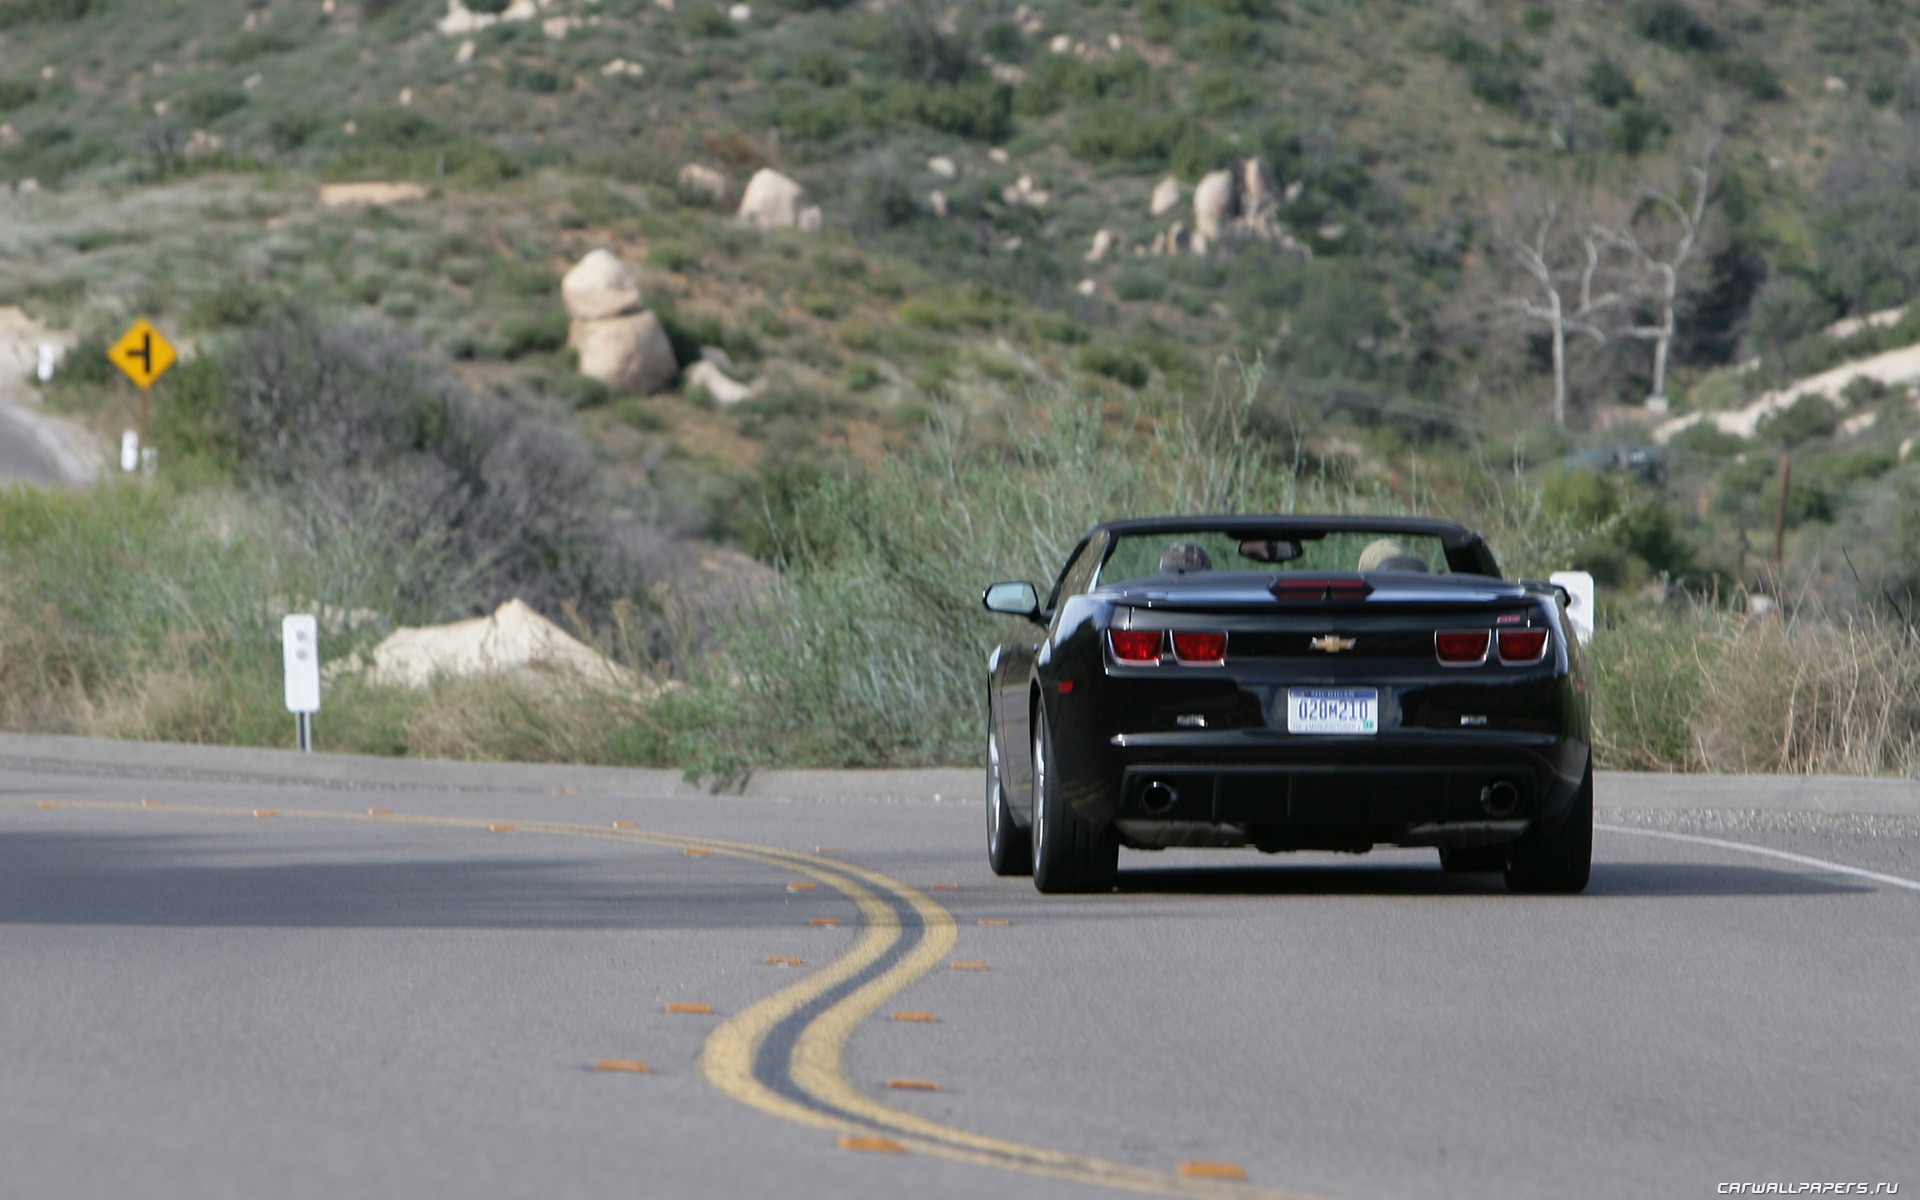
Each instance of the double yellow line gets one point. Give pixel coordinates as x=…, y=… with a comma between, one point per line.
x=808, y=1084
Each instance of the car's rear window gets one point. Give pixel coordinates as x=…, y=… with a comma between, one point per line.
x=1136, y=556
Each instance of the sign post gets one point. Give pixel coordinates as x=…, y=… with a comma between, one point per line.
x=144, y=355
x=300, y=649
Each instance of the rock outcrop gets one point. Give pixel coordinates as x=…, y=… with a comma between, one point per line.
x=1166, y=197
x=618, y=341
x=1241, y=203
x=772, y=201
x=512, y=640
x=709, y=378
x=628, y=353
x=703, y=181
x=599, y=286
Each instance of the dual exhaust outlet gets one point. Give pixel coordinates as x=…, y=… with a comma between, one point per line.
x=1499, y=798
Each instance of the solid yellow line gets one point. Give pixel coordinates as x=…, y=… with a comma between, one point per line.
x=817, y=1062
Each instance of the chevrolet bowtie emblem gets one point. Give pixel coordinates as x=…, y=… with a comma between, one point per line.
x=1333, y=643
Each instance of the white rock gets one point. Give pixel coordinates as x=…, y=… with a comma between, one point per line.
x=620, y=67
x=513, y=639
x=937, y=201
x=406, y=96
x=1835, y=84
x=1214, y=204
x=27, y=187
x=943, y=166
x=464, y=54
x=1008, y=74
x=1166, y=197
x=1012, y=245
x=719, y=358
x=1061, y=44
x=628, y=353
x=1906, y=448
x=1859, y=423
x=252, y=81
x=702, y=181
x=812, y=220
x=1259, y=191
x=555, y=28
x=372, y=195
x=1114, y=43
x=998, y=154
x=1086, y=287
x=772, y=201
x=1103, y=244
x=598, y=286
x=740, y=14
x=706, y=377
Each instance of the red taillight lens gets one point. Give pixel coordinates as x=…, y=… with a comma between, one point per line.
x=1137, y=646
x=1200, y=649
x=1522, y=645
x=1461, y=647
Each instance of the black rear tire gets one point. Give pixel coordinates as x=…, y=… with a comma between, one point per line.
x=1561, y=861
x=1009, y=847
x=1068, y=854
x=1473, y=860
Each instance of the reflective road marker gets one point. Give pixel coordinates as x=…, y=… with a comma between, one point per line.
x=622, y=1064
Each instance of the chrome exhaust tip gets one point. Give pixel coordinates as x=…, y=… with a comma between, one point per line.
x=1159, y=798
x=1499, y=798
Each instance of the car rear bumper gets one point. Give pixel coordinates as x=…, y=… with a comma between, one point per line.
x=1339, y=793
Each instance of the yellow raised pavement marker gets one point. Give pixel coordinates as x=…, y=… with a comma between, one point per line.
x=912, y=1085
x=501, y=828
x=623, y=824
x=802, y=887
x=874, y=1145
x=150, y=802
x=924, y=1018
x=699, y=852
x=968, y=965
x=1212, y=1170
x=829, y=849
x=48, y=804
x=782, y=960
x=944, y=887
x=622, y=1064
x=697, y=1009
x=379, y=812
x=994, y=921
x=266, y=812
x=824, y=921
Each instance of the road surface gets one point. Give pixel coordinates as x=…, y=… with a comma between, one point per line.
x=244, y=974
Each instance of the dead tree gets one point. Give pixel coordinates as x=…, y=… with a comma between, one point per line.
x=1659, y=239
x=1538, y=255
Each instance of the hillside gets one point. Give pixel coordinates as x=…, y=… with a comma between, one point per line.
x=1009, y=210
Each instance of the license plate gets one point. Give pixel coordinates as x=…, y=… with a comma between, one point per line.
x=1333, y=710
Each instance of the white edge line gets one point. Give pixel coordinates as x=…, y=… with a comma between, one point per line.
x=1801, y=859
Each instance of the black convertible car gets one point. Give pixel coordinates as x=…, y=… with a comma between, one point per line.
x=1290, y=683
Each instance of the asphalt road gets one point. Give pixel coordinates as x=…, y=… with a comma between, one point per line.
x=196, y=1001
x=35, y=451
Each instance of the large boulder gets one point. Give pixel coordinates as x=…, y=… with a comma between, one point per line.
x=703, y=181
x=628, y=353
x=599, y=286
x=1215, y=203
x=513, y=640
x=772, y=201
x=1166, y=197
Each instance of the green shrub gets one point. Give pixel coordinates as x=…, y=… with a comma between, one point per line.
x=208, y=103
x=527, y=335
x=249, y=46
x=1136, y=283
x=1635, y=125
x=16, y=13
x=1753, y=75
x=710, y=22
x=1607, y=85
x=1115, y=363
x=979, y=110
x=824, y=68
x=1707, y=440
x=15, y=93
x=530, y=78
x=1674, y=24
x=1807, y=418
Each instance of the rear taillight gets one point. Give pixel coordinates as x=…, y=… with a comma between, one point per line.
x=1199, y=649
x=1523, y=645
x=1139, y=647
x=1462, y=647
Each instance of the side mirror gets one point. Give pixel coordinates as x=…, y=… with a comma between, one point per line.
x=1013, y=599
x=1577, y=587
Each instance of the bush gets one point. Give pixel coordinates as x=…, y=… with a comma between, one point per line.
x=1673, y=24
x=1807, y=418
x=982, y=110
x=16, y=13
x=1115, y=363
x=1635, y=125
x=1608, y=85
x=207, y=104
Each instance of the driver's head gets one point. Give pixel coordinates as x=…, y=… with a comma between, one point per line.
x=1379, y=551
x=1180, y=557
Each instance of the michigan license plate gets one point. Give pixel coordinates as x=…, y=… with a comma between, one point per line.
x=1333, y=710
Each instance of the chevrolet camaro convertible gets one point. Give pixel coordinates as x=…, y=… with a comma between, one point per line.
x=1289, y=683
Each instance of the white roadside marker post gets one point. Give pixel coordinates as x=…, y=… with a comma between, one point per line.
x=300, y=647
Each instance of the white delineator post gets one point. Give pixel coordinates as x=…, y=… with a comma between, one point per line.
x=300, y=647
x=1579, y=585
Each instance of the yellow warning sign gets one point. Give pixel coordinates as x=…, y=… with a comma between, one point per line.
x=143, y=353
